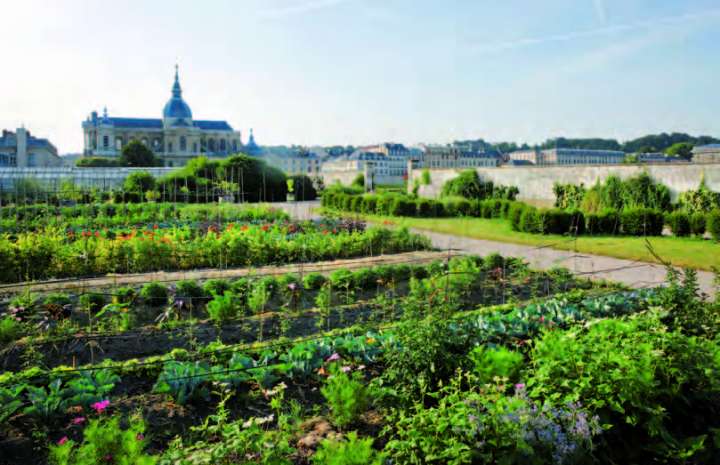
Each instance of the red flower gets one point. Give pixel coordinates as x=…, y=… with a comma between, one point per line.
x=155, y=226
x=245, y=227
x=62, y=440
x=97, y=233
x=265, y=227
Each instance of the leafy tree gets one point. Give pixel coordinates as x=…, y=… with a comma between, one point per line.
x=136, y=153
x=681, y=149
x=140, y=182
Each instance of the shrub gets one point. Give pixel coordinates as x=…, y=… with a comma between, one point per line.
x=556, y=221
x=369, y=204
x=303, y=187
x=216, y=286
x=467, y=184
x=92, y=302
x=679, y=223
x=346, y=395
x=10, y=329
x=313, y=281
x=697, y=223
x=352, y=451
x=531, y=221
x=356, y=202
x=154, y=294
x=222, y=307
x=491, y=362
x=642, y=222
x=713, y=224
x=424, y=208
x=190, y=291
x=57, y=298
x=402, y=207
x=605, y=222
x=124, y=295
x=515, y=212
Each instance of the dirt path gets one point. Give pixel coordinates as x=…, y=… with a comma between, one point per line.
x=324, y=267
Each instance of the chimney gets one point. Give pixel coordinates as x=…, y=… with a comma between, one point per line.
x=22, y=145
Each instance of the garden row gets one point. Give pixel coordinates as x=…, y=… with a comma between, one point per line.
x=34, y=217
x=604, y=391
x=57, y=254
x=256, y=307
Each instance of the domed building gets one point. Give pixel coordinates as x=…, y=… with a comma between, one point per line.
x=175, y=139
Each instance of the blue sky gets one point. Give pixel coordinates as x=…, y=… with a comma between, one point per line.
x=363, y=71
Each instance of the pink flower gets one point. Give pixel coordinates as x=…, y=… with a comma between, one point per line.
x=62, y=440
x=542, y=318
x=519, y=386
x=99, y=407
x=140, y=436
x=333, y=358
x=78, y=420
x=346, y=369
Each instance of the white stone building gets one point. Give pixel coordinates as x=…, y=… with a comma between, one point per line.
x=451, y=157
x=175, y=139
x=565, y=156
x=706, y=153
x=22, y=150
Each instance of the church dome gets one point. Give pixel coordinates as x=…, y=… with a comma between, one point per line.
x=176, y=106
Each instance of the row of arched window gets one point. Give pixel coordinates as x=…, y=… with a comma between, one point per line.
x=206, y=145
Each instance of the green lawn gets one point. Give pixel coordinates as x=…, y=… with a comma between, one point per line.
x=684, y=252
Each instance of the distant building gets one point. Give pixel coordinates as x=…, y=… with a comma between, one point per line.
x=21, y=149
x=564, y=156
x=658, y=157
x=454, y=157
x=175, y=139
x=295, y=162
x=388, y=164
x=706, y=153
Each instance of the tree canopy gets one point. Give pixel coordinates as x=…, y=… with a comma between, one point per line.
x=135, y=153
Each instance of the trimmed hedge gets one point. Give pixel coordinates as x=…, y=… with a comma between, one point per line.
x=679, y=223
x=698, y=222
x=642, y=222
x=713, y=224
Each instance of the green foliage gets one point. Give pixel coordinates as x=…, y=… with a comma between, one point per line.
x=713, y=224
x=10, y=401
x=97, y=162
x=184, y=381
x=605, y=222
x=137, y=184
x=222, y=307
x=630, y=372
x=154, y=294
x=468, y=184
x=90, y=387
x=135, y=153
x=92, y=301
x=568, y=196
x=347, y=396
x=46, y=401
x=352, y=451
x=190, y=292
x=701, y=200
x=313, y=281
x=425, y=177
x=216, y=286
x=104, y=440
x=679, y=222
x=681, y=150
x=642, y=222
x=10, y=329
x=491, y=362
x=697, y=223
x=359, y=181
x=303, y=187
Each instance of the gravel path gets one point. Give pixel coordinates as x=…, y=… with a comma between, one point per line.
x=635, y=274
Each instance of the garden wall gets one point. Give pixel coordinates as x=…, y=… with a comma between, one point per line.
x=536, y=183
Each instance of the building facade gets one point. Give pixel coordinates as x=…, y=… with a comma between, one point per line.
x=453, y=157
x=20, y=149
x=175, y=139
x=564, y=156
x=296, y=162
x=706, y=153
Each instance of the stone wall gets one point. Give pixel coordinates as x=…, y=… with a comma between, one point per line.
x=536, y=183
x=102, y=178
